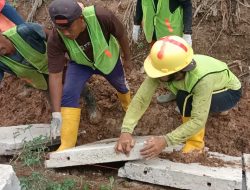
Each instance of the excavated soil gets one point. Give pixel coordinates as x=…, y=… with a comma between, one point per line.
x=195, y=157
x=226, y=134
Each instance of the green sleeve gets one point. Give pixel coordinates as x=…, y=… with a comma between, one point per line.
x=139, y=104
x=202, y=95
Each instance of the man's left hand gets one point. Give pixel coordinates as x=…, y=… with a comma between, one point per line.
x=153, y=147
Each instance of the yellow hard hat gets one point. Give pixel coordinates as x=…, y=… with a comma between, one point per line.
x=167, y=56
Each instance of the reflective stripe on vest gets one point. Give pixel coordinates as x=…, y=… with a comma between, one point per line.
x=205, y=65
x=105, y=54
x=162, y=20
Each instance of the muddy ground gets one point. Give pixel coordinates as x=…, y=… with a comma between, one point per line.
x=222, y=34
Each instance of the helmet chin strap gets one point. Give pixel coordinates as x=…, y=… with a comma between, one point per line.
x=190, y=66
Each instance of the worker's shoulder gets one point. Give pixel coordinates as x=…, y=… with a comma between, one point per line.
x=102, y=12
x=31, y=29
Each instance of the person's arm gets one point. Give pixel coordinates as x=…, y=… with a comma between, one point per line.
x=126, y=56
x=117, y=29
x=11, y=13
x=56, y=62
x=139, y=104
x=2, y=3
x=202, y=95
x=55, y=87
x=187, y=15
x=136, y=109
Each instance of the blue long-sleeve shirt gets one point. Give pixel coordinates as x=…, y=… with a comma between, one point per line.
x=11, y=13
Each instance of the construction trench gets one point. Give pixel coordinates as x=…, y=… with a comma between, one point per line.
x=221, y=30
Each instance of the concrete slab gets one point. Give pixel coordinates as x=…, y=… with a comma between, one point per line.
x=246, y=158
x=185, y=176
x=13, y=137
x=93, y=153
x=97, y=152
x=8, y=178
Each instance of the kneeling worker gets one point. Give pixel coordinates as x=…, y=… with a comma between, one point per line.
x=201, y=84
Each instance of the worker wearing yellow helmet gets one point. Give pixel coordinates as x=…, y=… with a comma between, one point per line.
x=201, y=84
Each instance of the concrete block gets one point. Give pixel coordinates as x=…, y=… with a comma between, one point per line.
x=97, y=152
x=185, y=176
x=246, y=158
x=13, y=137
x=93, y=153
x=8, y=178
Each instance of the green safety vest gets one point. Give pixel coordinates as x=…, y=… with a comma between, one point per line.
x=31, y=74
x=205, y=65
x=105, y=54
x=161, y=20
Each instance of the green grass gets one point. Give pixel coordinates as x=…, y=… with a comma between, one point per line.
x=37, y=181
x=33, y=154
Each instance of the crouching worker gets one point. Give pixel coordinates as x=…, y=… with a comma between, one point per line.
x=90, y=35
x=201, y=84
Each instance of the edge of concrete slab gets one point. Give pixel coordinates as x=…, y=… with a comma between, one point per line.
x=8, y=178
x=12, y=138
x=246, y=160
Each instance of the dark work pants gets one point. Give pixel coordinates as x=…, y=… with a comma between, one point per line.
x=77, y=75
x=220, y=102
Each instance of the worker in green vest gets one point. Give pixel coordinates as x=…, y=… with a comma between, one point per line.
x=23, y=53
x=92, y=36
x=160, y=18
x=201, y=84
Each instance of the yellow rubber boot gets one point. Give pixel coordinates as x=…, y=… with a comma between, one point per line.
x=124, y=99
x=70, y=125
x=196, y=142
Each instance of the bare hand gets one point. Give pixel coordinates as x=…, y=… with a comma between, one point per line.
x=153, y=147
x=125, y=143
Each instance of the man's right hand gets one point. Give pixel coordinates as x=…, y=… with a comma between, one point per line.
x=125, y=143
x=56, y=124
x=135, y=34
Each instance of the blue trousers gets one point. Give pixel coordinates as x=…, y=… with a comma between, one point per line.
x=220, y=102
x=77, y=75
x=11, y=13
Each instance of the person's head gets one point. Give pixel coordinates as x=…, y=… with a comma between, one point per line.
x=6, y=46
x=67, y=17
x=169, y=59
